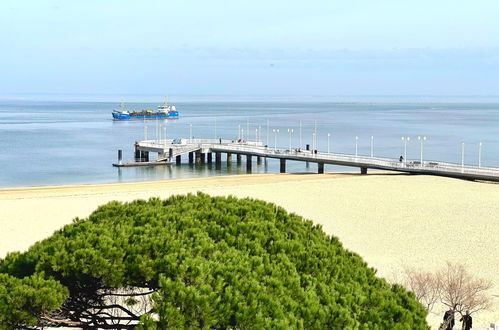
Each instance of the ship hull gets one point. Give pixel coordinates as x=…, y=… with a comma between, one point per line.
x=120, y=116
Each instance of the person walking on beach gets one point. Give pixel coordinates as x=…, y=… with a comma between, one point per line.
x=467, y=321
x=448, y=320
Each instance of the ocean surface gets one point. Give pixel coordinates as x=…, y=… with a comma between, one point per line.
x=66, y=142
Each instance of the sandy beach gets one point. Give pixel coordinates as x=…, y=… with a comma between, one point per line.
x=391, y=220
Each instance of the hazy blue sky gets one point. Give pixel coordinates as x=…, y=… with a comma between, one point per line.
x=349, y=47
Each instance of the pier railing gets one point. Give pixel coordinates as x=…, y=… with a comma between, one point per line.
x=256, y=148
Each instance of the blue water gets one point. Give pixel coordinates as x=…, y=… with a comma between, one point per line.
x=62, y=142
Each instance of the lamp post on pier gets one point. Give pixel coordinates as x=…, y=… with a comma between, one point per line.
x=313, y=142
x=275, y=131
x=421, y=140
x=372, y=146
x=480, y=154
x=268, y=132
x=238, y=132
x=356, y=146
x=462, y=155
x=328, y=144
x=405, y=139
x=300, y=134
x=290, y=131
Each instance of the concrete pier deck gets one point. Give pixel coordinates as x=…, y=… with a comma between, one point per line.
x=170, y=150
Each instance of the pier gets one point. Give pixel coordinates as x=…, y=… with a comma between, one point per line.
x=201, y=151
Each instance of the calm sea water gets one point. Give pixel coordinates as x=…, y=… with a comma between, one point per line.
x=49, y=143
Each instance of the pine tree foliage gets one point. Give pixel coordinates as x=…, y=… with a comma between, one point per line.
x=196, y=261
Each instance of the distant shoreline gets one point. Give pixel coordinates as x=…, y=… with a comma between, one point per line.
x=154, y=98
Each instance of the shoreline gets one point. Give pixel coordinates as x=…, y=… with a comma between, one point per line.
x=390, y=219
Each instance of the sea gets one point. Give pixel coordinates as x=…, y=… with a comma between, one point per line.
x=75, y=141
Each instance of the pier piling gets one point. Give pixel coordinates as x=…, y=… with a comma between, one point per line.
x=191, y=157
x=363, y=170
x=320, y=168
x=178, y=160
x=248, y=162
x=238, y=159
x=210, y=158
x=283, y=166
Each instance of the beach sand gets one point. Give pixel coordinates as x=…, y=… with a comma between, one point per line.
x=391, y=220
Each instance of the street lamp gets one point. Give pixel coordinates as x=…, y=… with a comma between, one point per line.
x=290, y=131
x=242, y=134
x=372, y=146
x=313, y=142
x=480, y=154
x=300, y=134
x=268, y=132
x=421, y=140
x=462, y=154
x=405, y=139
x=238, y=132
x=328, y=144
x=356, y=145
x=275, y=131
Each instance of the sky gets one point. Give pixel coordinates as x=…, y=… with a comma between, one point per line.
x=216, y=47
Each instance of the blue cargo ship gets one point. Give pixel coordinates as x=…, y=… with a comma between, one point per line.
x=164, y=111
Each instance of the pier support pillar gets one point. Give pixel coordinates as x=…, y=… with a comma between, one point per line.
x=203, y=158
x=137, y=152
x=144, y=156
x=307, y=147
x=178, y=159
x=283, y=166
x=238, y=159
x=198, y=157
x=218, y=160
x=363, y=170
x=248, y=162
x=259, y=160
x=191, y=157
x=320, y=168
x=229, y=157
x=210, y=158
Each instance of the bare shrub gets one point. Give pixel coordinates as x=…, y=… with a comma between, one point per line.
x=453, y=286
x=459, y=288
x=425, y=285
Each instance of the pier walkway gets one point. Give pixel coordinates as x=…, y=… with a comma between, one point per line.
x=202, y=150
